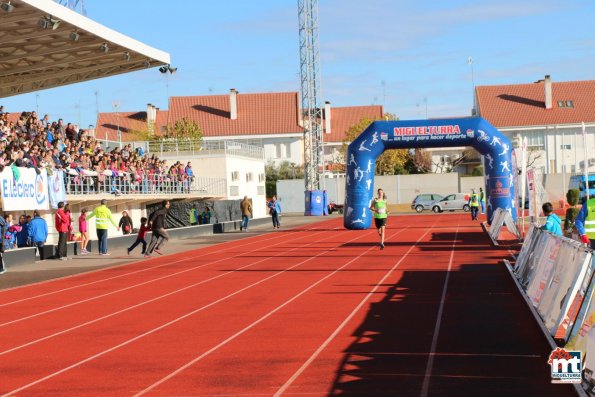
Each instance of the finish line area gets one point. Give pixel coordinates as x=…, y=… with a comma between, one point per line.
x=315, y=310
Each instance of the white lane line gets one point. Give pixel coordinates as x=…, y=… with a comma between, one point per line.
x=430, y=365
x=178, y=319
x=149, y=301
x=261, y=319
x=332, y=336
x=125, y=274
x=136, y=285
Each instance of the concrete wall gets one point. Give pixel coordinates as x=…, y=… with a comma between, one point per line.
x=400, y=189
x=23, y=256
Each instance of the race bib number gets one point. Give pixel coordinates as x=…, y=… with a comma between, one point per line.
x=382, y=210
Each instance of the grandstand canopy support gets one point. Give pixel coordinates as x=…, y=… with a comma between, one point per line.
x=45, y=45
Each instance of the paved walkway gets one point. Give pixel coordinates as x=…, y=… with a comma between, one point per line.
x=50, y=269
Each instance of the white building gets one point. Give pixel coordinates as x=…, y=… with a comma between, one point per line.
x=550, y=115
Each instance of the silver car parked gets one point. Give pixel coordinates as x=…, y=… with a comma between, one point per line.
x=452, y=202
x=424, y=201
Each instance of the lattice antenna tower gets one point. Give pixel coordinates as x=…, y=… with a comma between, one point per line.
x=310, y=92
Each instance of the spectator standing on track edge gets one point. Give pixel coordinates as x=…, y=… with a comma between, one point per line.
x=193, y=215
x=482, y=200
x=157, y=225
x=379, y=209
x=84, y=230
x=585, y=223
x=62, y=227
x=38, y=233
x=474, y=204
x=3, y=231
x=125, y=223
x=246, y=208
x=275, y=210
x=103, y=215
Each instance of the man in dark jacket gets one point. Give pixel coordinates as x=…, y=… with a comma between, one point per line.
x=3, y=233
x=159, y=234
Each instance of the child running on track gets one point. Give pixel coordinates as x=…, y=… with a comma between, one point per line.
x=140, y=238
x=157, y=224
x=380, y=215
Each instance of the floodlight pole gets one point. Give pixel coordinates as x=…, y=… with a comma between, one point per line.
x=311, y=111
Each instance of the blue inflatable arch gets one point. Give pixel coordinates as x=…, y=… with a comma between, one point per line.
x=385, y=135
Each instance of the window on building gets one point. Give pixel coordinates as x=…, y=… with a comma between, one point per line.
x=278, y=150
x=565, y=147
x=261, y=177
x=249, y=177
x=260, y=190
x=565, y=104
x=234, y=190
x=288, y=150
x=235, y=175
x=536, y=139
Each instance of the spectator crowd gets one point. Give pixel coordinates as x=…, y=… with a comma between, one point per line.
x=36, y=142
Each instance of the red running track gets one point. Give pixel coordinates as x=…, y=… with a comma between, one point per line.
x=314, y=311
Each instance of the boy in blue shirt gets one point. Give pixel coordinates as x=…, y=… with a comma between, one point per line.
x=552, y=224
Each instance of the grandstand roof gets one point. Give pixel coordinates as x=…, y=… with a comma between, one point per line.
x=257, y=114
x=44, y=45
x=521, y=105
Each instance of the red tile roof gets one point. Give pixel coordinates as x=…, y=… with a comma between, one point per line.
x=270, y=113
x=258, y=114
x=108, y=124
x=524, y=104
x=342, y=118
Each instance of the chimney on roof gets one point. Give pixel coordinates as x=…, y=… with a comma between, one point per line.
x=300, y=118
x=548, y=91
x=151, y=118
x=327, y=117
x=233, y=104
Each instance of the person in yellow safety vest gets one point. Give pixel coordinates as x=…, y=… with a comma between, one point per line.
x=103, y=215
x=193, y=215
x=474, y=204
x=482, y=200
x=379, y=209
x=585, y=223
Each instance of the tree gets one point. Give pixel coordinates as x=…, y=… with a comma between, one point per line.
x=285, y=170
x=390, y=162
x=420, y=162
x=184, y=129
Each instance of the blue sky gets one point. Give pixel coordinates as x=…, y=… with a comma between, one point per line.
x=405, y=55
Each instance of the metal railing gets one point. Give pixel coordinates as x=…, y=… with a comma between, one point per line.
x=205, y=148
x=123, y=184
x=190, y=147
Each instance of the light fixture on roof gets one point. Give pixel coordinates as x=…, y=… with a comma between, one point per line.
x=7, y=7
x=47, y=22
x=104, y=47
x=147, y=63
x=167, y=68
x=74, y=36
x=126, y=56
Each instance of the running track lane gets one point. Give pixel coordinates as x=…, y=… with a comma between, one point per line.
x=328, y=314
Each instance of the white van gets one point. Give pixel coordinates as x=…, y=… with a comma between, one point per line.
x=578, y=182
x=452, y=202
